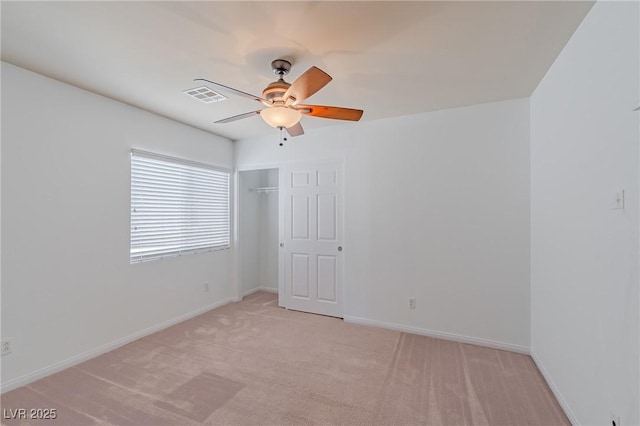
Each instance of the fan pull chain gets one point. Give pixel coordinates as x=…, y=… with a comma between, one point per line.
x=282, y=137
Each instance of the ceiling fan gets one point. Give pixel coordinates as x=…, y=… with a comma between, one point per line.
x=282, y=100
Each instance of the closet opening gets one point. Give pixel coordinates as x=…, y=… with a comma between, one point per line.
x=258, y=233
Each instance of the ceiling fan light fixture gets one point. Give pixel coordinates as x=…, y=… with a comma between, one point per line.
x=279, y=116
x=282, y=100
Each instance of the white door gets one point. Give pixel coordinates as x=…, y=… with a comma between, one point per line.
x=312, y=239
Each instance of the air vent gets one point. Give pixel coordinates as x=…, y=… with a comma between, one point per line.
x=205, y=94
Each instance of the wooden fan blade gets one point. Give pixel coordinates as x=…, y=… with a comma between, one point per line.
x=235, y=91
x=238, y=117
x=306, y=85
x=336, y=113
x=295, y=130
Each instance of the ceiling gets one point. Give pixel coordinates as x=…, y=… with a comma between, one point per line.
x=388, y=58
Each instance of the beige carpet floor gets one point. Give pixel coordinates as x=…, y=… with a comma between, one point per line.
x=252, y=363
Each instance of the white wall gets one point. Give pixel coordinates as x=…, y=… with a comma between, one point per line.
x=67, y=285
x=436, y=208
x=584, y=256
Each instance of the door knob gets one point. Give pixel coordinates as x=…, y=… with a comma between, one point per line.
x=281, y=244
x=339, y=248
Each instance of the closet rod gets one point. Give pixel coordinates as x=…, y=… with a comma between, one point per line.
x=264, y=190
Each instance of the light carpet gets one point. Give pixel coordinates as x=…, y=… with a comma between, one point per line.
x=253, y=363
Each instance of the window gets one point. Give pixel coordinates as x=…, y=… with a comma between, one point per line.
x=177, y=207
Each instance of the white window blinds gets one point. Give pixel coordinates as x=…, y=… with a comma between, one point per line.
x=177, y=207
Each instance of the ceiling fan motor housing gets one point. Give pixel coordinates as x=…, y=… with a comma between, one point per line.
x=275, y=91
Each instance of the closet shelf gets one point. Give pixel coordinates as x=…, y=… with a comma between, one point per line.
x=264, y=190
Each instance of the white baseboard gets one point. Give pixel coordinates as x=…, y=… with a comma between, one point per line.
x=556, y=392
x=254, y=290
x=249, y=292
x=440, y=335
x=77, y=359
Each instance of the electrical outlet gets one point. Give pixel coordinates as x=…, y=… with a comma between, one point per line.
x=205, y=286
x=6, y=347
x=412, y=303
